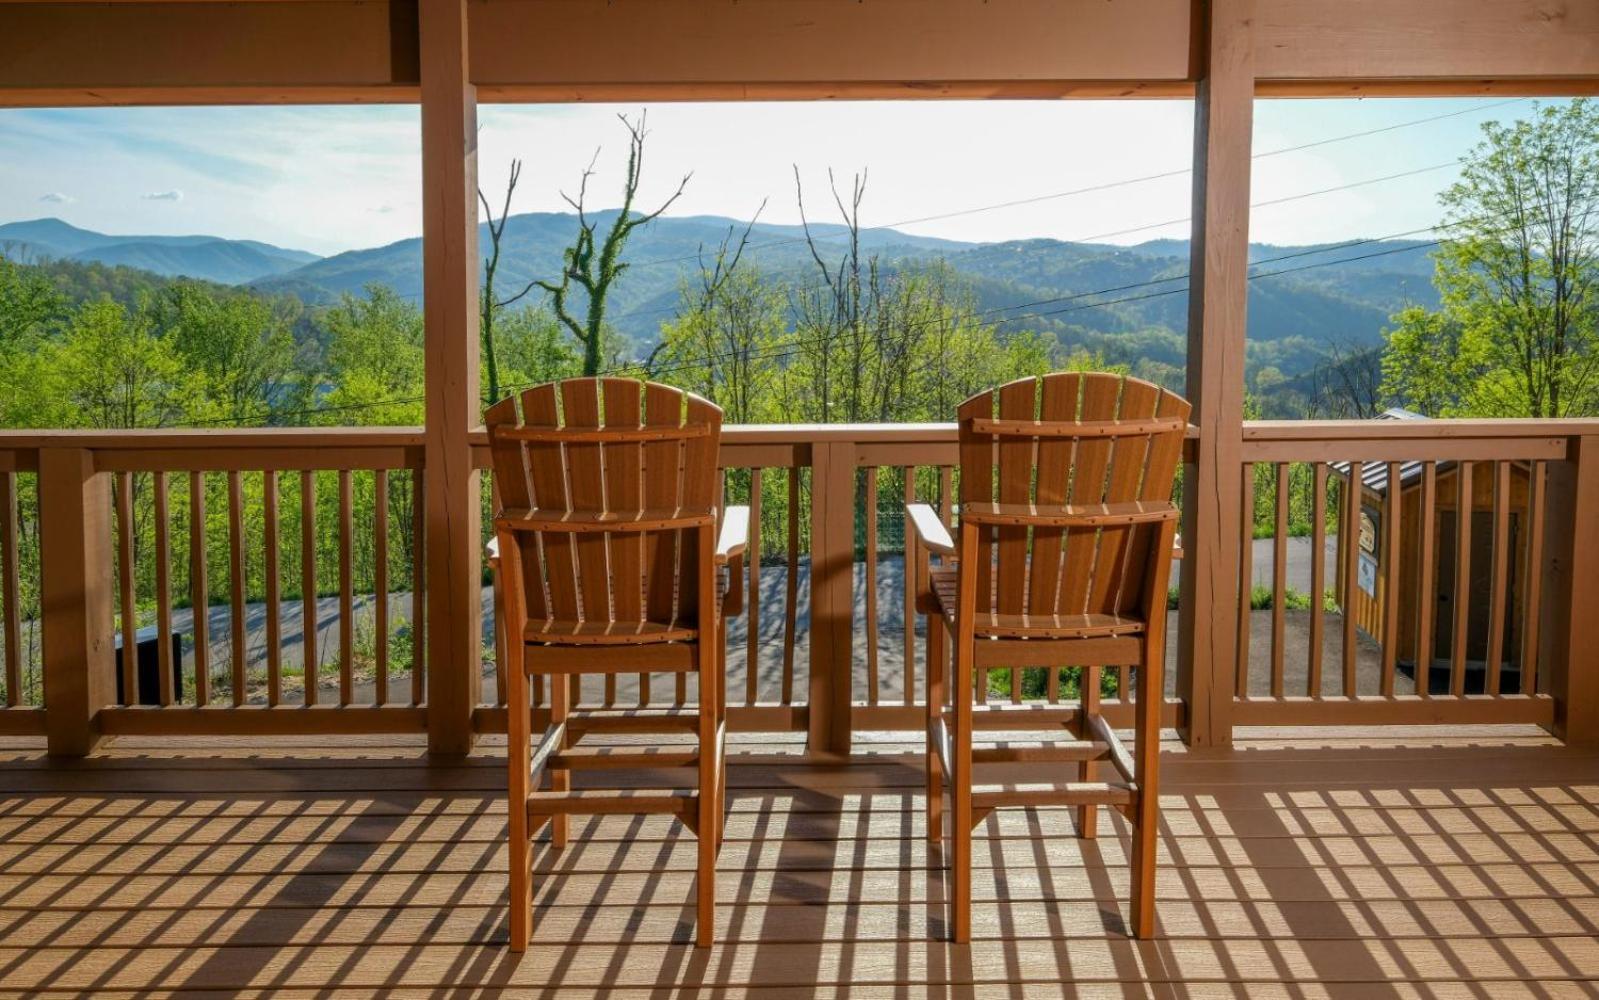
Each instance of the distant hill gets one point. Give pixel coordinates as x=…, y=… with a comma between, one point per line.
x=1126, y=302
x=1339, y=293
x=210, y=258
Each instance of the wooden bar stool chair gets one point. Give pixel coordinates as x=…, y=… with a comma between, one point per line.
x=613, y=557
x=1064, y=553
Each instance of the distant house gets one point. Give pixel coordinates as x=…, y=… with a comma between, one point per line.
x=1373, y=575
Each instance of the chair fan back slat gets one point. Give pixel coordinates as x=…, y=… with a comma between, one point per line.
x=1076, y=570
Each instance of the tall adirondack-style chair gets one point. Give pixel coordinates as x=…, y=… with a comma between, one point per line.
x=612, y=557
x=1063, y=556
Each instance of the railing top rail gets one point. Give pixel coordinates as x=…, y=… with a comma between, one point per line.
x=230, y=438
x=1422, y=430
x=777, y=434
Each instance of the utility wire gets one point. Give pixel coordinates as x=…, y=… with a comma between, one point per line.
x=796, y=346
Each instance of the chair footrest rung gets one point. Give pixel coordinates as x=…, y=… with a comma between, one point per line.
x=582, y=758
x=599, y=802
x=1038, y=751
x=635, y=720
x=1066, y=793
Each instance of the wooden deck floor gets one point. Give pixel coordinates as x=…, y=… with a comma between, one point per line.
x=1302, y=865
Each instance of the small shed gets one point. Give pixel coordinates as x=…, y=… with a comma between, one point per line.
x=1373, y=576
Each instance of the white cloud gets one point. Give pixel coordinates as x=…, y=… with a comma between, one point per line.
x=173, y=195
x=57, y=198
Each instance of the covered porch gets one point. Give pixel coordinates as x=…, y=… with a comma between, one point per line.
x=1328, y=828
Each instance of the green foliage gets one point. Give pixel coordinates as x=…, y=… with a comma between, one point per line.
x=374, y=362
x=1035, y=683
x=241, y=344
x=1516, y=334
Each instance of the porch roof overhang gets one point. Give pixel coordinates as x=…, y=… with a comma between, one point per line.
x=266, y=51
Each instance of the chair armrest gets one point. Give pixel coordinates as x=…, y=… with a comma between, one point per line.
x=930, y=531
x=730, y=545
x=735, y=534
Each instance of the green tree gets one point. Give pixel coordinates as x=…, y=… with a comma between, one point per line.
x=594, y=262
x=1517, y=333
x=115, y=371
x=243, y=343
x=374, y=360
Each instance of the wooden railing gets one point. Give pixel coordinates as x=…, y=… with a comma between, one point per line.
x=1409, y=611
x=21, y=666
x=121, y=519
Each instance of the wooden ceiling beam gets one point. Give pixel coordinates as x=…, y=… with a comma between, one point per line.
x=357, y=51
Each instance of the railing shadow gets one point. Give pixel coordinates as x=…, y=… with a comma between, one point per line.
x=1287, y=870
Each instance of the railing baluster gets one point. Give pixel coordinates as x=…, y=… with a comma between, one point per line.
x=871, y=586
x=10, y=588
x=1318, y=577
x=346, y=590
x=308, y=626
x=791, y=585
x=163, y=589
x=236, y=630
x=752, y=609
x=419, y=589
x=125, y=583
x=199, y=589
x=274, y=597
x=1500, y=579
x=908, y=576
x=1392, y=559
x=1427, y=598
x=1246, y=570
x=1532, y=610
x=1462, y=593
x=380, y=587
x=1279, y=583
x=1353, y=490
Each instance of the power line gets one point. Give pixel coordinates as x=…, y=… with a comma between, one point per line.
x=795, y=346
x=1107, y=185
x=1154, y=225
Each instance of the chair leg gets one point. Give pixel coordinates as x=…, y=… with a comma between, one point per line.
x=1088, y=815
x=960, y=875
x=708, y=800
x=960, y=781
x=1146, y=824
x=520, y=850
x=935, y=708
x=560, y=777
x=1146, y=773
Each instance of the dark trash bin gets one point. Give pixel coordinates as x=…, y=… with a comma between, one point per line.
x=148, y=666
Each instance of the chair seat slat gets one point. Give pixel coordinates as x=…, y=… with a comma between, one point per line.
x=988, y=624
x=580, y=521
x=1071, y=515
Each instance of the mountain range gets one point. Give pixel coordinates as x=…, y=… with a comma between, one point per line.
x=212, y=258
x=1122, y=300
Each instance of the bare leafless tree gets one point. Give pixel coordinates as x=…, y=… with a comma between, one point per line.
x=593, y=261
x=489, y=305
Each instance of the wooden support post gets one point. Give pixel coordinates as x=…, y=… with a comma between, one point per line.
x=450, y=308
x=1212, y=494
x=75, y=592
x=832, y=595
x=1570, y=619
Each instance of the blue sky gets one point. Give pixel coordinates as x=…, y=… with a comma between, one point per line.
x=328, y=179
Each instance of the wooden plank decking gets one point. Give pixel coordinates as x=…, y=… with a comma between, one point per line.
x=1298, y=864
